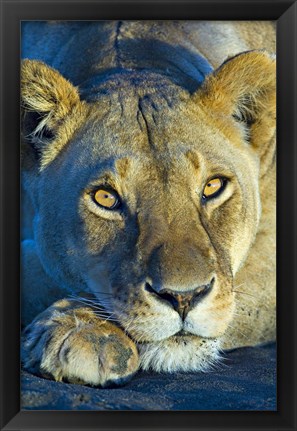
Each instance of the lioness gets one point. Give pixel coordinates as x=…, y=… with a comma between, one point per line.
x=148, y=160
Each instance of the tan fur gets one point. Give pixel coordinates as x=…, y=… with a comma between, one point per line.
x=79, y=347
x=157, y=145
x=57, y=102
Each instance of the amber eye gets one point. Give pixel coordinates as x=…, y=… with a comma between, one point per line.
x=107, y=198
x=213, y=187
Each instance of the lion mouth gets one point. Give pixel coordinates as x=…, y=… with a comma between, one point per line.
x=182, y=333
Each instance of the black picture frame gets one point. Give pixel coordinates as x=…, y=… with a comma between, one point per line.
x=14, y=11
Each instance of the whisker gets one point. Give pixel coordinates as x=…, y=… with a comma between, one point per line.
x=244, y=293
x=237, y=330
x=103, y=293
x=82, y=298
x=104, y=315
x=107, y=318
x=128, y=325
x=131, y=325
x=132, y=321
x=105, y=311
x=93, y=303
x=107, y=304
x=233, y=327
x=239, y=285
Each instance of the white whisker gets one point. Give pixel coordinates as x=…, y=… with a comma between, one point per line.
x=243, y=293
x=239, y=285
x=92, y=303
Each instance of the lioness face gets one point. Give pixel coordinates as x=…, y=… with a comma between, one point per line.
x=153, y=204
x=165, y=242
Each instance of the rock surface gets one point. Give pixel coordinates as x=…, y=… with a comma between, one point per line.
x=245, y=381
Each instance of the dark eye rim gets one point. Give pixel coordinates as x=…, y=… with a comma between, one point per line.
x=224, y=182
x=108, y=189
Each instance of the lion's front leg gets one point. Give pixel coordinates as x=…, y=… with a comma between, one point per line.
x=70, y=342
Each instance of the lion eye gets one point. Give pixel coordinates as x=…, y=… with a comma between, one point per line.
x=107, y=198
x=213, y=187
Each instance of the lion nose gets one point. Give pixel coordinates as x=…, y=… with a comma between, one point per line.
x=181, y=301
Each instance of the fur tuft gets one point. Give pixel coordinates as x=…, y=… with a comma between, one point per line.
x=46, y=93
x=244, y=88
x=180, y=354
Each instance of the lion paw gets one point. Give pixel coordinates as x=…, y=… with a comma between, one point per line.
x=78, y=347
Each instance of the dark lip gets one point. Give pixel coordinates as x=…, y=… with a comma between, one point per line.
x=181, y=333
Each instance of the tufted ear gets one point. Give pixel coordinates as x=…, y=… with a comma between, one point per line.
x=51, y=113
x=46, y=99
x=243, y=89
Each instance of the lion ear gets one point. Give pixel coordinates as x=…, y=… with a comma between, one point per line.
x=46, y=99
x=244, y=88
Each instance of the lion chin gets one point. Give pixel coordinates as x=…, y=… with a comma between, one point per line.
x=180, y=353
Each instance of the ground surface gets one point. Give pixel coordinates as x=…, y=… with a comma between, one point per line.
x=246, y=381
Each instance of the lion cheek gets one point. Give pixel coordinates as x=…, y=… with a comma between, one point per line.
x=210, y=323
x=241, y=247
